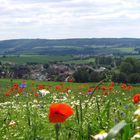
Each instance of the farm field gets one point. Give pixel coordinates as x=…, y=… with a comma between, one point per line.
x=125, y=49
x=39, y=110
x=43, y=59
x=80, y=61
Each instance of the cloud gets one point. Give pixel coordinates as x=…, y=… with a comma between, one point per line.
x=69, y=18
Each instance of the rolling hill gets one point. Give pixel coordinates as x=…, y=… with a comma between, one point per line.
x=67, y=46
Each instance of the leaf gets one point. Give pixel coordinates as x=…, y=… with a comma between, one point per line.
x=126, y=132
x=115, y=130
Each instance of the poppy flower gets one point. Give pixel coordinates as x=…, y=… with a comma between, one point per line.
x=104, y=88
x=58, y=88
x=136, y=98
x=41, y=86
x=16, y=86
x=89, y=91
x=20, y=90
x=124, y=86
x=59, y=112
x=12, y=89
x=111, y=88
x=112, y=84
x=7, y=93
x=67, y=89
x=129, y=88
x=70, y=80
x=36, y=95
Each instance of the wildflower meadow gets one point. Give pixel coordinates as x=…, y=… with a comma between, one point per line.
x=38, y=110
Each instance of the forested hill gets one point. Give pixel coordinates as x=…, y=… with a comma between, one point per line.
x=66, y=46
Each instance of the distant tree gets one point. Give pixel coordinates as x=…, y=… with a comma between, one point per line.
x=120, y=77
x=131, y=60
x=126, y=67
x=104, y=60
x=81, y=75
x=96, y=76
x=134, y=78
x=4, y=56
x=20, y=72
x=137, y=67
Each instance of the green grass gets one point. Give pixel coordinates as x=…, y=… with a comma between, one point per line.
x=133, y=56
x=81, y=61
x=44, y=59
x=125, y=49
x=92, y=113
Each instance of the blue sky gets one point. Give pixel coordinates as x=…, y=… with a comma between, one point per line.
x=55, y=19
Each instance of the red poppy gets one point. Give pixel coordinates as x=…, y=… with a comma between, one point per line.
x=124, y=86
x=12, y=89
x=136, y=98
x=97, y=88
x=58, y=88
x=112, y=84
x=41, y=86
x=89, y=90
x=20, y=90
x=104, y=88
x=111, y=88
x=67, y=89
x=129, y=88
x=16, y=86
x=70, y=80
x=36, y=95
x=7, y=93
x=59, y=113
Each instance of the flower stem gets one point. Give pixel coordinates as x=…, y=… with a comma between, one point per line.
x=57, y=128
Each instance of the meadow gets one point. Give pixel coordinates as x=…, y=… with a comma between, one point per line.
x=81, y=61
x=40, y=59
x=45, y=59
x=93, y=111
x=125, y=49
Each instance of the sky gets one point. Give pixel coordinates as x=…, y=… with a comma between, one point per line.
x=58, y=19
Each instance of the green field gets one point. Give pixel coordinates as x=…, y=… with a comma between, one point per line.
x=24, y=115
x=80, y=61
x=124, y=49
x=43, y=59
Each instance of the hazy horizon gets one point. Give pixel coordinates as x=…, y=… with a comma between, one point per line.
x=72, y=38
x=68, y=19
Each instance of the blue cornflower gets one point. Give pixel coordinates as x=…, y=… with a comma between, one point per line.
x=23, y=85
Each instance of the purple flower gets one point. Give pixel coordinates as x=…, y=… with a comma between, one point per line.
x=23, y=85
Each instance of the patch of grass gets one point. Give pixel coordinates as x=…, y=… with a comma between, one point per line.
x=43, y=59
x=80, y=61
x=124, y=49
